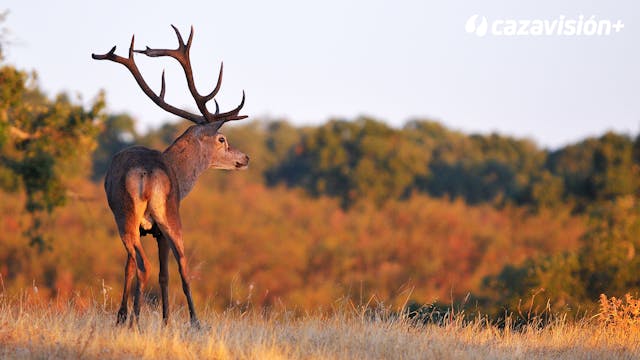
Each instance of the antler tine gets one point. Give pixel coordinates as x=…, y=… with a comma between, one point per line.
x=162, y=89
x=190, y=38
x=181, y=43
x=133, y=40
x=215, y=90
x=233, y=114
x=104, y=56
x=230, y=115
x=179, y=36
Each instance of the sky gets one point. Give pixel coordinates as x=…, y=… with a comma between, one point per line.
x=308, y=62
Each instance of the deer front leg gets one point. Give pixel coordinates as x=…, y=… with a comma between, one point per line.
x=173, y=236
x=170, y=226
x=178, y=252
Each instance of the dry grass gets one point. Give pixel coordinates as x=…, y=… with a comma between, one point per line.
x=620, y=313
x=48, y=330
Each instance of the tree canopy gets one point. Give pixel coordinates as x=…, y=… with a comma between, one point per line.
x=39, y=141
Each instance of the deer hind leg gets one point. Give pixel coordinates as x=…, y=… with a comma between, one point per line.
x=142, y=273
x=129, y=228
x=129, y=273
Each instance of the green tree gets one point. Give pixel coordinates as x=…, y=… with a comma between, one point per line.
x=615, y=172
x=39, y=142
x=267, y=142
x=353, y=160
x=477, y=168
x=544, y=190
x=609, y=260
x=597, y=169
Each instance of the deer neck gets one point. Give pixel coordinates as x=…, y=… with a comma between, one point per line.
x=188, y=159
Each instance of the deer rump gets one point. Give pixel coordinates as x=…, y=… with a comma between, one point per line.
x=139, y=182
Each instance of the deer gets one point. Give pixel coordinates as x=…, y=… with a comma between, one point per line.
x=144, y=187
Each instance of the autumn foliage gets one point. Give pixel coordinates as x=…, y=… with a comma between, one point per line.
x=251, y=244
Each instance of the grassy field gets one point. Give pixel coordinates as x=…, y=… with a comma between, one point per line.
x=51, y=330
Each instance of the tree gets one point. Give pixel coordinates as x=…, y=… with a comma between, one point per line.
x=615, y=172
x=352, y=161
x=477, y=168
x=597, y=169
x=609, y=260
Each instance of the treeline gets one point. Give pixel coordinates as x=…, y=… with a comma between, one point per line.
x=367, y=159
x=365, y=164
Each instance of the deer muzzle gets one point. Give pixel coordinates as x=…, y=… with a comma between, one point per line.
x=243, y=164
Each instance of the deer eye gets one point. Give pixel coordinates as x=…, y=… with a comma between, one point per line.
x=221, y=140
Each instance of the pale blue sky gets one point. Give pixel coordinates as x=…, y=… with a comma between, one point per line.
x=307, y=62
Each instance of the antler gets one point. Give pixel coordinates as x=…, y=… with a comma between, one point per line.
x=181, y=54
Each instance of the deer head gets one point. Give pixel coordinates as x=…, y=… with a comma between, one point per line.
x=209, y=145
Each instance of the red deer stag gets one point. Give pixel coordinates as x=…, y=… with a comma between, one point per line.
x=144, y=187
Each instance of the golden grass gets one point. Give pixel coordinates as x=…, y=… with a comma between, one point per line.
x=619, y=312
x=44, y=330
